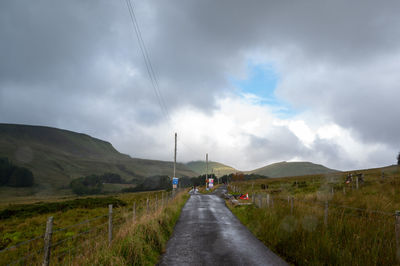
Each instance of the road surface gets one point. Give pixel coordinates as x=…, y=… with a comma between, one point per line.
x=207, y=233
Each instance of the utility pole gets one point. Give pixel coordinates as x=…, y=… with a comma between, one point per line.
x=206, y=168
x=176, y=137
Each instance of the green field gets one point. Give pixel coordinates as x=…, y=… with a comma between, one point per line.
x=360, y=223
x=284, y=169
x=218, y=169
x=73, y=219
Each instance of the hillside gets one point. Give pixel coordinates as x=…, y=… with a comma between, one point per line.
x=218, y=169
x=57, y=156
x=283, y=169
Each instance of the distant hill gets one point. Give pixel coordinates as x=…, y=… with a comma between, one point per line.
x=57, y=156
x=283, y=169
x=218, y=169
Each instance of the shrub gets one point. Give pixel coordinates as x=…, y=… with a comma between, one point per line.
x=87, y=185
x=14, y=176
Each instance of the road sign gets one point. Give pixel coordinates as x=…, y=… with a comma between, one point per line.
x=210, y=183
x=175, y=181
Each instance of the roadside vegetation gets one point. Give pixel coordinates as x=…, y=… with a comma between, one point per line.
x=360, y=223
x=138, y=242
x=80, y=228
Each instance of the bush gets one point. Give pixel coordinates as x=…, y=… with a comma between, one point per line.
x=87, y=185
x=14, y=176
x=21, y=177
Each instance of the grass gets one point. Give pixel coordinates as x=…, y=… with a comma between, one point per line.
x=291, y=168
x=219, y=169
x=351, y=236
x=139, y=242
x=17, y=229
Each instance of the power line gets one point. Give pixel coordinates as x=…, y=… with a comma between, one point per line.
x=150, y=69
x=146, y=58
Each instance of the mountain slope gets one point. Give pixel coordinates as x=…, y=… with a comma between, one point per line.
x=218, y=169
x=283, y=169
x=57, y=156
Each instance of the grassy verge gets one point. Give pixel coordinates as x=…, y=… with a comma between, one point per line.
x=139, y=242
x=352, y=236
x=70, y=229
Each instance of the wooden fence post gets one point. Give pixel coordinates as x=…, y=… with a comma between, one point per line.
x=134, y=211
x=260, y=201
x=291, y=205
x=147, y=206
x=326, y=214
x=268, y=200
x=357, y=182
x=47, y=241
x=397, y=231
x=110, y=225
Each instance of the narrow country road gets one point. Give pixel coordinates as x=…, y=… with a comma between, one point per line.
x=207, y=233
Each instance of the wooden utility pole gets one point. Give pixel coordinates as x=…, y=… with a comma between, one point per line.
x=176, y=137
x=206, y=168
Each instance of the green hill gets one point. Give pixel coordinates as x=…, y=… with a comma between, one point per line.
x=283, y=169
x=218, y=169
x=57, y=156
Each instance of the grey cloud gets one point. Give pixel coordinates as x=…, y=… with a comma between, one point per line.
x=77, y=63
x=280, y=145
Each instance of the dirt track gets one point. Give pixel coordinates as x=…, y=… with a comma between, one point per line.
x=207, y=233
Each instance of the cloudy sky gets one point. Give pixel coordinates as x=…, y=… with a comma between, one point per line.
x=249, y=82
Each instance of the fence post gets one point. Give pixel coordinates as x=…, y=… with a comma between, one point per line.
x=272, y=202
x=268, y=200
x=357, y=182
x=110, y=226
x=326, y=213
x=47, y=241
x=134, y=211
x=291, y=205
x=397, y=231
x=147, y=206
x=260, y=201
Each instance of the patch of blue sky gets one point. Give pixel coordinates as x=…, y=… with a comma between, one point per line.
x=262, y=81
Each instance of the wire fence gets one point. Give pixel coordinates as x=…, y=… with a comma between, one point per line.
x=386, y=224
x=60, y=245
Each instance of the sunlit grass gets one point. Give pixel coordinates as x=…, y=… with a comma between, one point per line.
x=351, y=237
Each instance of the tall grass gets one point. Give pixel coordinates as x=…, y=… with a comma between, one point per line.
x=138, y=242
x=67, y=226
x=351, y=236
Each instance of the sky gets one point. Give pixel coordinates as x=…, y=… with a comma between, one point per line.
x=248, y=82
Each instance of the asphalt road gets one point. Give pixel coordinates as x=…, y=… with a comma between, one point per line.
x=207, y=233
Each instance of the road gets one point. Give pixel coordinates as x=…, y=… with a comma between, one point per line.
x=207, y=233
